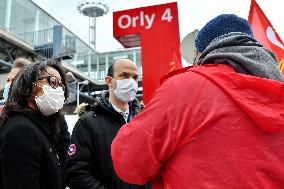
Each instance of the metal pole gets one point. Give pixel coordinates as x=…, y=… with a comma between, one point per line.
x=90, y=40
x=78, y=92
x=7, y=22
x=95, y=42
x=6, y=63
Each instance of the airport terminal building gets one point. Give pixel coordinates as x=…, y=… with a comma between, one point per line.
x=26, y=30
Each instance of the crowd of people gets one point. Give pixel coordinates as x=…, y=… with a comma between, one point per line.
x=219, y=124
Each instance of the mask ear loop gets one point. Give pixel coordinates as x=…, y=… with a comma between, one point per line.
x=37, y=85
x=32, y=96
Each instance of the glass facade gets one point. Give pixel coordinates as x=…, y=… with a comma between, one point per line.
x=3, y=5
x=27, y=21
x=51, y=39
x=98, y=63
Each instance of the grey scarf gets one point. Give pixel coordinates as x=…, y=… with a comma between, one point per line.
x=245, y=54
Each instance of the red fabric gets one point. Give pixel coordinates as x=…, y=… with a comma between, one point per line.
x=265, y=32
x=173, y=73
x=207, y=128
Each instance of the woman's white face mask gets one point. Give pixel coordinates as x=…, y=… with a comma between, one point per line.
x=125, y=90
x=51, y=101
x=6, y=92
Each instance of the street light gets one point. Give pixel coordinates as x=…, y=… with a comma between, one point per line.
x=71, y=77
x=85, y=82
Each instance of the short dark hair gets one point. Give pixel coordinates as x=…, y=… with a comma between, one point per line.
x=110, y=71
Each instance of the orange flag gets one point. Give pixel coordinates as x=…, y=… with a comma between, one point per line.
x=265, y=33
x=176, y=58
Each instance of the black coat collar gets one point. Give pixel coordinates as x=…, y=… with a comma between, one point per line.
x=102, y=104
x=36, y=117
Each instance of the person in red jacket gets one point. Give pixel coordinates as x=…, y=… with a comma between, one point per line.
x=218, y=125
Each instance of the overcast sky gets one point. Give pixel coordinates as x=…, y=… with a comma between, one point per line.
x=193, y=14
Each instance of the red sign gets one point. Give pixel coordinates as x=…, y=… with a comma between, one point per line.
x=265, y=33
x=156, y=30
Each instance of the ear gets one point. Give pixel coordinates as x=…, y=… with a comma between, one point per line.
x=108, y=81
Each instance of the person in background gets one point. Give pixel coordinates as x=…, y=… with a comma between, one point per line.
x=89, y=163
x=18, y=64
x=220, y=124
x=29, y=128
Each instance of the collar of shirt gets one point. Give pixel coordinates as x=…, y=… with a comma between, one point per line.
x=124, y=113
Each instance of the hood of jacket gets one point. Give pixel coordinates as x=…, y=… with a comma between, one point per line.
x=245, y=54
x=261, y=99
x=103, y=102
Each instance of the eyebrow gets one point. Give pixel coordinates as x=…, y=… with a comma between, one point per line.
x=122, y=73
x=134, y=76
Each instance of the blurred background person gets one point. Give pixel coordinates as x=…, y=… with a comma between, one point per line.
x=18, y=64
x=29, y=128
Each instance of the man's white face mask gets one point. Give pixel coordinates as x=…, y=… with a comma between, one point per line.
x=126, y=90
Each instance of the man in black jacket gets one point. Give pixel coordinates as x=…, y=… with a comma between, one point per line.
x=89, y=164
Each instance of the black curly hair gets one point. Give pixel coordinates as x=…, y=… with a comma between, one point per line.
x=29, y=74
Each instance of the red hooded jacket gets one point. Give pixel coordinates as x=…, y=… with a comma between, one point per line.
x=207, y=128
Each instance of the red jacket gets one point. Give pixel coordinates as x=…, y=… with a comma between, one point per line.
x=207, y=128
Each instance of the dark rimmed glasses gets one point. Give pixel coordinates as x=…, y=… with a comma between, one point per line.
x=53, y=81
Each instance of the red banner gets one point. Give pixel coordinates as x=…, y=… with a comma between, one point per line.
x=265, y=33
x=156, y=30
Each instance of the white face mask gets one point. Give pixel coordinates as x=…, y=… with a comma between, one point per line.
x=51, y=101
x=126, y=90
x=6, y=92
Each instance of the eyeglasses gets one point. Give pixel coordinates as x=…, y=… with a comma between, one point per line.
x=53, y=81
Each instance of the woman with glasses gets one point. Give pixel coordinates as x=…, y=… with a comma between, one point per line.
x=29, y=128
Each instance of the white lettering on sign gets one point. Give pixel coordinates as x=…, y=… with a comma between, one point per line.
x=142, y=20
x=145, y=20
x=128, y=21
x=167, y=15
x=125, y=21
x=149, y=20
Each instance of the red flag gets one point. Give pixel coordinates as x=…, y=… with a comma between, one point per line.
x=175, y=63
x=265, y=33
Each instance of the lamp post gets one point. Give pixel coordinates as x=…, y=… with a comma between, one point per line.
x=85, y=82
x=71, y=77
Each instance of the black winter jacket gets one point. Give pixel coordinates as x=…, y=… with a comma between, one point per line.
x=89, y=164
x=62, y=145
x=63, y=142
x=27, y=156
